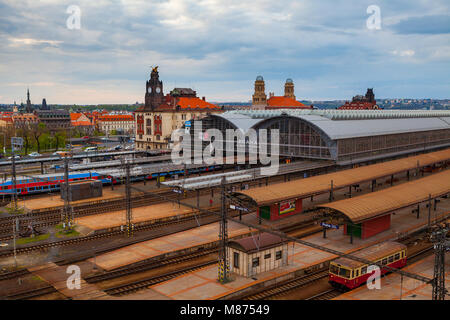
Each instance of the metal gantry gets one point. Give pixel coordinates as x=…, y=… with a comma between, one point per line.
x=224, y=267
x=441, y=246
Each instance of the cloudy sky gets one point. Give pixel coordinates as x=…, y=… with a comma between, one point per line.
x=218, y=47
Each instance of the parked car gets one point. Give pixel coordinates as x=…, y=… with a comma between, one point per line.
x=15, y=157
x=118, y=147
x=35, y=154
x=90, y=149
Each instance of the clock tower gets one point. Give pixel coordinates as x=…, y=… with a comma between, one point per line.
x=154, y=91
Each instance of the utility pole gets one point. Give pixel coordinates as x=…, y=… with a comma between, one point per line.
x=224, y=266
x=441, y=245
x=129, y=214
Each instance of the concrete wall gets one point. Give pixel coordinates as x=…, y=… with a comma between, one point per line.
x=375, y=226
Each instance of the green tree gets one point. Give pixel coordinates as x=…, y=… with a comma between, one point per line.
x=60, y=139
x=38, y=129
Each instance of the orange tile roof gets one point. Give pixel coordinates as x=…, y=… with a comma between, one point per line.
x=118, y=117
x=195, y=103
x=303, y=188
x=81, y=123
x=381, y=202
x=280, y=102
x=75, y=115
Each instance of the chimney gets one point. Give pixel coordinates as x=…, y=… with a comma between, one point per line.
x=203, y=98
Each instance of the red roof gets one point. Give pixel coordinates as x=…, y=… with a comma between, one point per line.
x=284, y=102
x=257, y=242
x=195, y=103
x=118, y=117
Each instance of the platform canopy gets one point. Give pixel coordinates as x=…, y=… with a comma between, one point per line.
x=385, y=201
x=303, y=188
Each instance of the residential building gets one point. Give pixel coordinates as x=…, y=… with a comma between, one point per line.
x=80, y=121
x=54, y=119
x=120, y=123
x=366, y=102
x=162, y=114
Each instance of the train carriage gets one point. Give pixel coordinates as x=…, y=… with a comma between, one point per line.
x=348, y=274
x=45, y=183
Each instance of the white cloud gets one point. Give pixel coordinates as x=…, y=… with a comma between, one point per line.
x=31, y=42
x=404, y=53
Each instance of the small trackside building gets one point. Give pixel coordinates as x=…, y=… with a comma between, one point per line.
x=257, y=254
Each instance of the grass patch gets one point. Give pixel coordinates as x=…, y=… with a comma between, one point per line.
x=33, y=239
x=59, y=226
x=71, y=233
x=17, y=211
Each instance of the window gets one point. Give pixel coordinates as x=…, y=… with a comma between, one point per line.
x=267, y=256
x=334, y=269
x=278, y=255
x=363, y=270
x=353, y=273
x=344, y=273
x=357, y=273
x=255, y=262
x=236, y=260
x=384, y=262
x=397, y=256
x=391, y=259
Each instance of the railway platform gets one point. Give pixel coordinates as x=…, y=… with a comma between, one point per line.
x=393, y=288
x=203, y=284
x=148, y=214
x=56, y=276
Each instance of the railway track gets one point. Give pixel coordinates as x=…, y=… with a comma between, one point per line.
x=53, y=217
x=125, y=271
x=144, y=227
x=145, y=283
x=28, y=294
x=326, y=295
x=277, y=290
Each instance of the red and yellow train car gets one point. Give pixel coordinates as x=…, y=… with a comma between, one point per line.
x=348, y=274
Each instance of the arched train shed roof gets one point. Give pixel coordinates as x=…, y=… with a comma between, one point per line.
x=338, y=126
x=385, y=201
